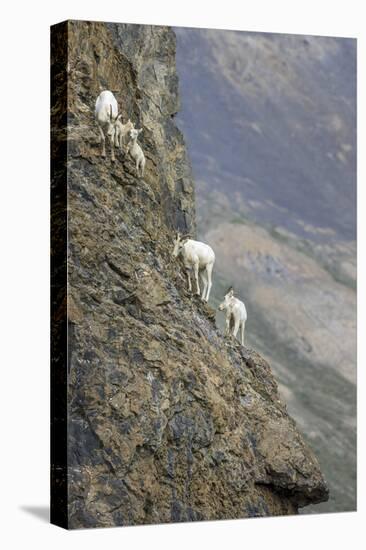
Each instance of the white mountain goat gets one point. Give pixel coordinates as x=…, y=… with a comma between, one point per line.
x=136, y=152
x=106, y=114
x=236, y=314
x=198, y=256
x=121, y=132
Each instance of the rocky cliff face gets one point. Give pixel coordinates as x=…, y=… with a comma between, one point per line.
x=167, y=419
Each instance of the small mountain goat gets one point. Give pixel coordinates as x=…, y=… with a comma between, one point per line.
x=121, y=131
x=136, y=152
x=198, y=256
x=236, y=314
x=106, y=115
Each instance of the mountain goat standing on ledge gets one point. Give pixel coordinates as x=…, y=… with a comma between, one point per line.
x=198, y=256
x=136, y=152
x=236, y=313
x=106, y=115
x=121, y=131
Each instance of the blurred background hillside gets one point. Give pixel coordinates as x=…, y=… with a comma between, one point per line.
x=270, y=125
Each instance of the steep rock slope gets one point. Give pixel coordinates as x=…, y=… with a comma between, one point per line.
x=168, y=421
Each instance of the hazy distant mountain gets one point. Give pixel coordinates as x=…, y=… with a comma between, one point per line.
x=270, y=124
x=272, y=117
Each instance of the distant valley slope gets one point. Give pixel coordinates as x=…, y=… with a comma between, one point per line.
x=270, y=127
